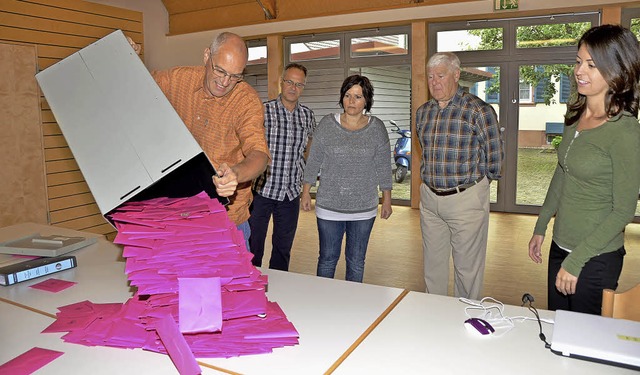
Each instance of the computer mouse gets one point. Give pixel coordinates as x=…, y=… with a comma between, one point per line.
x=478, y=327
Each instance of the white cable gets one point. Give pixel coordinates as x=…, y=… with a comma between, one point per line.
x=543, y=320
x=492, y=311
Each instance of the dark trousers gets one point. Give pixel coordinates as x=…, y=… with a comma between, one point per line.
x=600, y=272
x=285, y=222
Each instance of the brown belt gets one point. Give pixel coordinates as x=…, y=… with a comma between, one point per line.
x=456, y=190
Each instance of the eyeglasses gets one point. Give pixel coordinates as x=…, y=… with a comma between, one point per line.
x=223, y=73
x=289, y=82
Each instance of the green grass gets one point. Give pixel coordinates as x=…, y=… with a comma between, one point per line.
x=535, y=169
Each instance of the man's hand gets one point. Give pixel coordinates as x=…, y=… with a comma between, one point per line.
x=136, y=47
x=226, y=181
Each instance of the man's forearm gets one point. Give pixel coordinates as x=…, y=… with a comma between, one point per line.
x=251, y=167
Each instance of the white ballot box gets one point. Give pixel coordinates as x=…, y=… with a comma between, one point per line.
x=127, y=139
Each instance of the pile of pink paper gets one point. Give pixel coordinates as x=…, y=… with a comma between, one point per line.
x=195, y=285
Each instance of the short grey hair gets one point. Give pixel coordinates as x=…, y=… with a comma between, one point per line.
x=444, y=58
x=222, y=39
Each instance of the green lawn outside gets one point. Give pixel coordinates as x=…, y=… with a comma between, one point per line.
x=535, y=169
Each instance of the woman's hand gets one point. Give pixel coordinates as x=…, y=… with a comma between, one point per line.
x=566, y=282
x=535, y=248
x=305, y=197
x=386, y=209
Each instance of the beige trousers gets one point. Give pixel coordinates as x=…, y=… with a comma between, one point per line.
x=455, y=226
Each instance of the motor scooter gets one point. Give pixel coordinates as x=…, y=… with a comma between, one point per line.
x=401, y=152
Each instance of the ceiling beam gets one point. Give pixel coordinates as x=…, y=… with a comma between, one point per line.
x=269, y=8
x=225, y=14
x=216, y=18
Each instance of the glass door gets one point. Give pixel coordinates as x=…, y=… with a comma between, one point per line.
x=529, y=68
x=543, y=92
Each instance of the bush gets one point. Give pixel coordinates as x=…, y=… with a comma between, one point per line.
x=556, y=142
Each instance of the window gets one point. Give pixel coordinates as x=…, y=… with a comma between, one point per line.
x=565, y=88
x=492, y=92
x=257, y=52
x=315, y=50
x=550, y=35
x=526, y=92
x=384, y=45
x=635, y=26
x=470, y=40
x=381, y=54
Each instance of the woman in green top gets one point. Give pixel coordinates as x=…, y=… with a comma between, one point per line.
x=594, y=190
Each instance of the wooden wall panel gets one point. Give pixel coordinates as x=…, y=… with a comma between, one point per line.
x=23, y=195
x=59, y=28
x=68, y=190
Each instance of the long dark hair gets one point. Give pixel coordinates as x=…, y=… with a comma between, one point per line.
x=616, y=54
x=364, y=83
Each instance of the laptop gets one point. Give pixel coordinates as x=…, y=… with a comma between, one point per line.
x=45, y=246
x=596, y=338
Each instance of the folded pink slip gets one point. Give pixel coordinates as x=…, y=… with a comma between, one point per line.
x=200, y=305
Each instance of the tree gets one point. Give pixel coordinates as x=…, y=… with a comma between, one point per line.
x=536, y=36
x=635, y=27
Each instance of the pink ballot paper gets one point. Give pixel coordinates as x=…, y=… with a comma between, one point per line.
x=53, y=285
x=176, y=346
x=199, y=304
x=195, y=283
x=29, y=362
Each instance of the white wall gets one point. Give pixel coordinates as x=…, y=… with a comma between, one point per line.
x=162, y=51
x=157, y=54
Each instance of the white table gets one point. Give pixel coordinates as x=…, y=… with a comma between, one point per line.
x=425, y=334
x=330, y=316
x=422, y=334
x=99, y=275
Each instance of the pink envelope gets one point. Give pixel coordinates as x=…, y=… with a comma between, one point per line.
x=176, y=346
x=53, y=285
x=245, y=303
x=69, y=323
x=200, y=306
x=29, y=361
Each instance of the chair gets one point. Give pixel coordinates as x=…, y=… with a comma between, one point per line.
x=623, y=305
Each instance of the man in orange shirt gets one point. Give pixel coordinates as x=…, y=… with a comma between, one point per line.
x=225, y=116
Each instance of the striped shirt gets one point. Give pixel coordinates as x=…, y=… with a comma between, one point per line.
x=227, y=128
x=287, y=135
x=460, y=143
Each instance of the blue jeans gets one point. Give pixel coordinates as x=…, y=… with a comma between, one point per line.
x=285, y=222
x=246, y=232
x=331, y=234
